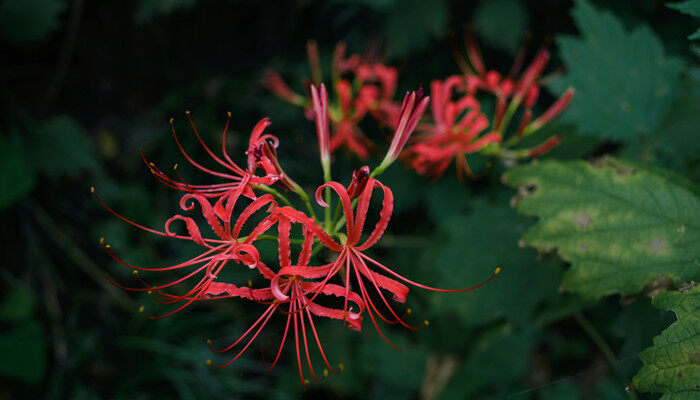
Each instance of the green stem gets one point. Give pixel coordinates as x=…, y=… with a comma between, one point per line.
x=273, y=192
x=327, y=198
x=602, y=345
x=512, y=107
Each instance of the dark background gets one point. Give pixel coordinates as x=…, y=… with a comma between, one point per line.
x=85, y=84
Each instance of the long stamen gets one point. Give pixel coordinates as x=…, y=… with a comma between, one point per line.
x=495, y=272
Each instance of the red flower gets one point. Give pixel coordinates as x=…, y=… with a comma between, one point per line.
x=261, y=155
x=227, y=247
x=457, y=130
x=289, y=289
x=368, y=273
x=362, y=86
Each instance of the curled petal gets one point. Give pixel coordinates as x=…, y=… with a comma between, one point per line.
x=344, y=199
x=384, y=215
x=354, y=319
x=250, y=210
x=216, y=289
x=300, y=217
x=192, y=229
x=207, y=212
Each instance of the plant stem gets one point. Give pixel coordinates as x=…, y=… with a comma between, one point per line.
x=275, y=193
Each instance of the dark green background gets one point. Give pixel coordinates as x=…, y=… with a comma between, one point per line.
x=85, y=84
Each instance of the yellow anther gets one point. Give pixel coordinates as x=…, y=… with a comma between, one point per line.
x=426, y=322
x=151, y=164
x=92, y=189
x=171, y=120
x=228, y=113
x=142, y=308
x=306, y=382
x=341, y=366
x=250, y=283
x=175, y=166
x=150, y=292
x=208, y=341
x=325, y=373
x=135, y=272
x=108, y=246
x=187, y=112
x=497, y=270
x=102, y=240
x=408, y=311
x=209, y=363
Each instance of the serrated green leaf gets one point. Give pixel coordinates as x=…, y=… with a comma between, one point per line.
x=412, y=24
x=60, y=146
x=28, y=20
x=618, y=225
x=501, y=23
x=16, y=177
x=475, y=244
x=672, y=364
x=625, y=83
x=690, y=7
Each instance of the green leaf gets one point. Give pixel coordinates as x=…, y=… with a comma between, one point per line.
x=60, y=146
x=624, y=81
x=29, y=20
x=690, y=7
x=501, y=24
x=471, y=247
x=620, y=226
x=16, y=177
x=23, y=350
x=672, y=364
x=18, y=304
x=412, y=25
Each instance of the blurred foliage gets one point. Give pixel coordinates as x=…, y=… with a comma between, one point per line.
x=29, y=20
x=690, y=7
x=625, y=79
x=119, y=71
x=501, y=24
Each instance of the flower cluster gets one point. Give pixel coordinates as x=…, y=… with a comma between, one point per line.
x=361, y=86
x=459, y=125
x=247, y=207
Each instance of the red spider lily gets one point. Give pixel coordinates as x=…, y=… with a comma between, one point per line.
x=513, y=90
x=457, y=130
x=351, y=258
x=289, y=290
x=361, y=87
x=227, y=247
x=261, y=154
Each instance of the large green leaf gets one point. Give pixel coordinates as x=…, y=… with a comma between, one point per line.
x=619, y=225
x=471, y=246
x=16, y=177
x=672, y=364
x=625, y=83
x=690, y=7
